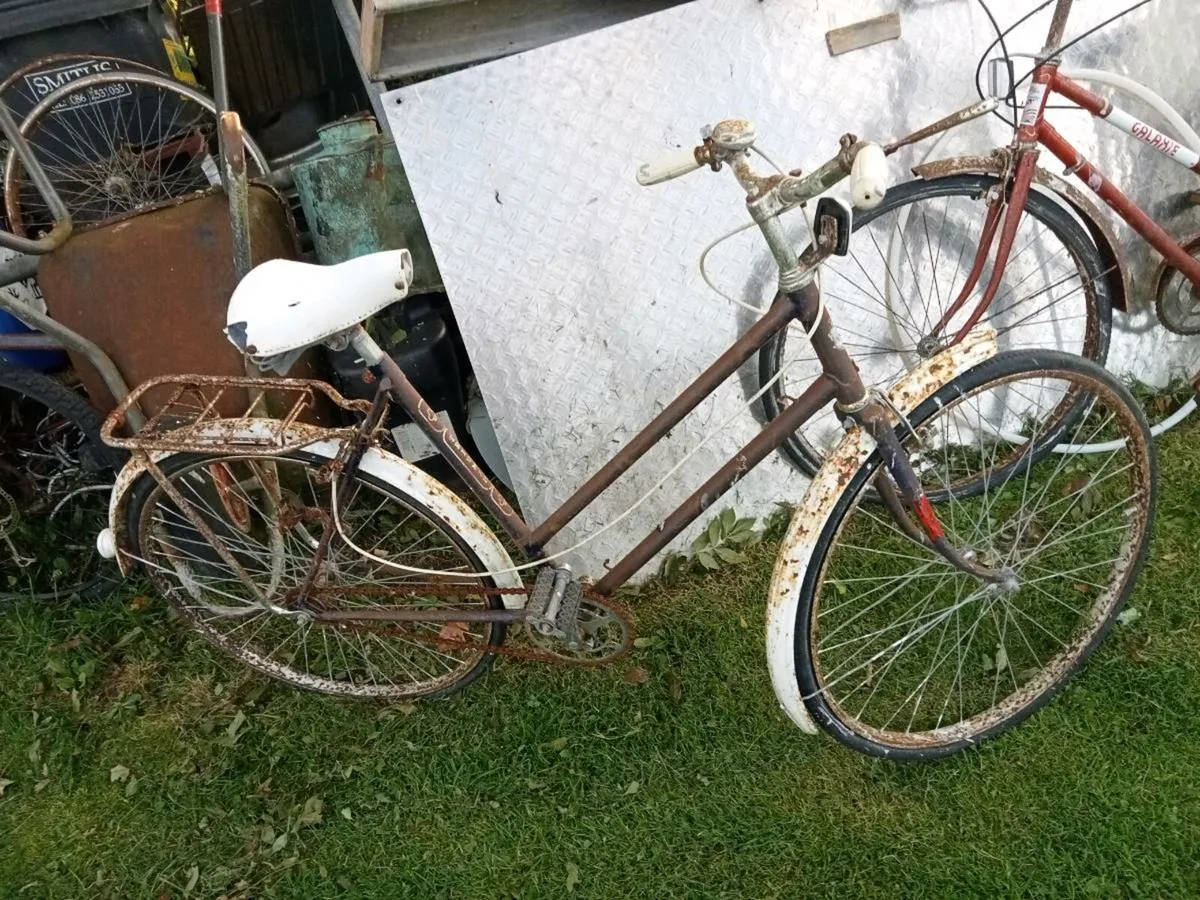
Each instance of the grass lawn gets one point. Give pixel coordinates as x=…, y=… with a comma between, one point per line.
x=136, y=763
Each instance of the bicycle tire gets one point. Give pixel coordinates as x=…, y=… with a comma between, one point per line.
x=74, y=410
x=819, y=678
x=799, y=450
x=145, y=501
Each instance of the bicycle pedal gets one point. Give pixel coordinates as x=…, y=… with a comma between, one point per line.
x=553, y=606
x=539, y=597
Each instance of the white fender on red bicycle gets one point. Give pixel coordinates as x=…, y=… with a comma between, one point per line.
x=381, y=464
x=809, y=519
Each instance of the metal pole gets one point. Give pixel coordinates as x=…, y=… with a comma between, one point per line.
x=216, y=54
x=62, y=219
x=237, y=188
x=73, y=340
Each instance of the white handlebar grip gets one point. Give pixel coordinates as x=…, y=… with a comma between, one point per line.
x=671, y=165
x=868, y=177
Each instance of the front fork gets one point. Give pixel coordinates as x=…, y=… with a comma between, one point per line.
x=900, y=489
x=998, y=209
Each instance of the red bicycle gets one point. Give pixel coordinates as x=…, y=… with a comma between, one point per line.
x=1037, y=263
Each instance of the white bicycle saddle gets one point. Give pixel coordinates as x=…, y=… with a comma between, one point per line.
x=284, y=307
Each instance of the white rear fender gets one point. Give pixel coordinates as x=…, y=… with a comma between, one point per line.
x=812, y=515
x=388, y=468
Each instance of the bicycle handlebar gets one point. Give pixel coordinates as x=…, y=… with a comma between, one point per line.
x=668, y=166
x=862, y=162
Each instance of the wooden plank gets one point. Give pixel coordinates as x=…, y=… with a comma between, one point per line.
x=404, y=38
x=863, y=34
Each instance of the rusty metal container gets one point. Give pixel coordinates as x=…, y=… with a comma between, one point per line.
x=357, y=199
x=151, y=288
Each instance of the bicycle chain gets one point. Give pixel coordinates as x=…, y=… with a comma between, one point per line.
x=411, y=632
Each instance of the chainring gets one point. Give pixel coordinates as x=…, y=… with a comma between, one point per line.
x=605, y=633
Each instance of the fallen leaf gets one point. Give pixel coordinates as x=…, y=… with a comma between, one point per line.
x=345, y=812
x=644, y=642
x=279, y=843
x=632, y=788
x=674, y=686
x=637, y=675
x=118, y=773
x=1129, y=615
x=572, y=877
x=406, y=709
x=558, y=744
x=231, y=731
x=131, y=787
x=40, y=786
x=139, y=602
x=193, y=875
x=1075, y=486
x=312, y=812
x=5, y=782
x=452, y=635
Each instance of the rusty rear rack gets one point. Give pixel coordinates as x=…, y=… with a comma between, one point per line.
x=190, y=414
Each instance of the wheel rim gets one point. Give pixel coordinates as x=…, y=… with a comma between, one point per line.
x=272, y=538
x=112, y=143
x=909, y=652
x=918, y=254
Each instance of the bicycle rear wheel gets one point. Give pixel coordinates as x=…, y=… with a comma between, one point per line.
x=268, y=513
x=909, y=258
x=898, y=653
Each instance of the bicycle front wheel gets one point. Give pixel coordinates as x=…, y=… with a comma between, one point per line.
x=900, y=654
x=269, y=514
x=909, y=259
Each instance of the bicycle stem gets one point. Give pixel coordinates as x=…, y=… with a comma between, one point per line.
x=765, y=200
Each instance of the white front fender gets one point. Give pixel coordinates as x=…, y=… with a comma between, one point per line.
x=811, y=516
x=385, y=466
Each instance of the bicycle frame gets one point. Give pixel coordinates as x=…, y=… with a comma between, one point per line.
x=1034, y=131
x=839, y=381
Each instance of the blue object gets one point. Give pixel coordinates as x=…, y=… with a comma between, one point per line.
x=41, y=360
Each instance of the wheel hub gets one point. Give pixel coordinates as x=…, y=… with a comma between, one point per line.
x=929, y=346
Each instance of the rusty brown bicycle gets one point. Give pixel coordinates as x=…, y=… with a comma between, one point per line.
x=910, y=627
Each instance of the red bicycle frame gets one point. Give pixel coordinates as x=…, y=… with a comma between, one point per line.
x=1034, y=131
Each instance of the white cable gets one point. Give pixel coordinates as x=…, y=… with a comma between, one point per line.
x=591, y=537
x=646, y=496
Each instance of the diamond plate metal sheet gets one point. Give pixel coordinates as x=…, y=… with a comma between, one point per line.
x=577, y=291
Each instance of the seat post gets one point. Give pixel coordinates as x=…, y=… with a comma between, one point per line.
x=442, y=436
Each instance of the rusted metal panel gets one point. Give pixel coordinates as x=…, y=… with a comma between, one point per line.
x=151, y=289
